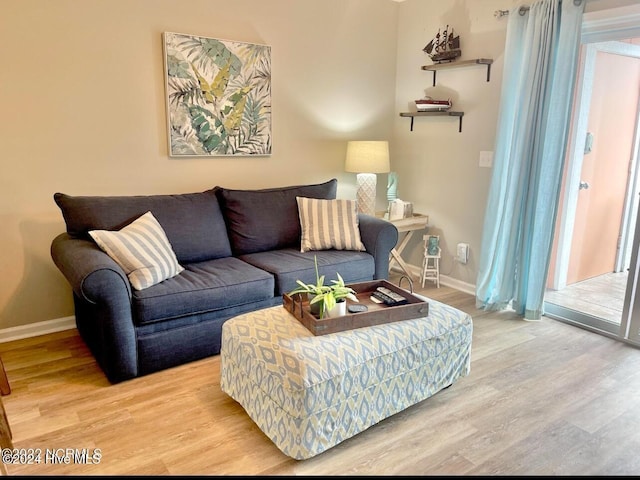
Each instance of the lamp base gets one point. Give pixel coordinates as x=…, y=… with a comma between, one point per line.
x=366, y=194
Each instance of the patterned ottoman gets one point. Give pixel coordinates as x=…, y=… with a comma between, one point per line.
x=308, y=393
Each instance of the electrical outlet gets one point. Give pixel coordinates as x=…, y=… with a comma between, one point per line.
x=463, y=253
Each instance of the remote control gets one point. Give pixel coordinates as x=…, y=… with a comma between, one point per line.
x=395, y=296
x=387, y=300
x=389, y=297
x=390, y=293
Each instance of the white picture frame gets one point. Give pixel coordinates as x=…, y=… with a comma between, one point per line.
x=218, y=96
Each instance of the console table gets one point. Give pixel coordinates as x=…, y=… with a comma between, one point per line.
x=407, y=226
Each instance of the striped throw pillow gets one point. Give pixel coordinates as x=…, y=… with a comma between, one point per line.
x=142, y=250
x=329, y=224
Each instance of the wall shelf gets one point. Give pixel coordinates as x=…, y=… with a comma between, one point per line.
x=412, y=115
x=465, y=63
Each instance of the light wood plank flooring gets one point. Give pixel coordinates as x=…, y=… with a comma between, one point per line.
x=601, y=296
x=542, y=398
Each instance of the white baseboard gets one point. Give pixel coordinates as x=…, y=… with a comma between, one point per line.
x=36, y=329
x=465, y=287
x=444, y=280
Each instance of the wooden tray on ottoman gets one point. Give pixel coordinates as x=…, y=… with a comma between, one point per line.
x=377, y=313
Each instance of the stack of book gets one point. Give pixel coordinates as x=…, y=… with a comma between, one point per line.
x=429, y=104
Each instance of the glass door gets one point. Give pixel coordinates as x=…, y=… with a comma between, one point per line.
x=592, y=262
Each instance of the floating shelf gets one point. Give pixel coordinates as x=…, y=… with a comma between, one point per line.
x=465, y=63
x=412, y=115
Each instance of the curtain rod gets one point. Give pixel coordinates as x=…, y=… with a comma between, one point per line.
x=524, y=9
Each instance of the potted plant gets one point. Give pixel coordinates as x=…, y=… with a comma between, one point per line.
x=326, y=300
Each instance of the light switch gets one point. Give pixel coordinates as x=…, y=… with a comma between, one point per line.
x=486, y=159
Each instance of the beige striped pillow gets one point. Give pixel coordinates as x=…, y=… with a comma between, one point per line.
x=329, y=224
x=142, y=249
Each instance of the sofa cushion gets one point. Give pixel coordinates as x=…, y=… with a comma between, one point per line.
x=262, y=220
x=288, y=265
x=193, y=222
x=142, y=250
x=328, y=224
x=203, y=287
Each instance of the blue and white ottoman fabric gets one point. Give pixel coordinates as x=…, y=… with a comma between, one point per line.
x=308, y=393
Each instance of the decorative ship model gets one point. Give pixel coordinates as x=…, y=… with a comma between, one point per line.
x=443, y=47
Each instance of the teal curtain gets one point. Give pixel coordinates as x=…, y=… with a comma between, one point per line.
x=540, y=63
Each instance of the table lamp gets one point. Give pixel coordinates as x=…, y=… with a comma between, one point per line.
x=367, y=158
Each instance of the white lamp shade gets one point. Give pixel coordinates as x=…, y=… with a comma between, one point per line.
x=367, y=157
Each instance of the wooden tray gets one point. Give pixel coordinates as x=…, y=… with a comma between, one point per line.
x=377, y=313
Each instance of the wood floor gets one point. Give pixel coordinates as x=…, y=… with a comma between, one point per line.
x=542, y=398
x=601, y=296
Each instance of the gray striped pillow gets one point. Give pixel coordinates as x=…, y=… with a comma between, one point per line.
x=329, y=224
x=142, y=249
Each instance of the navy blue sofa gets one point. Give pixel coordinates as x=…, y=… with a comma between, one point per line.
x=240, y=250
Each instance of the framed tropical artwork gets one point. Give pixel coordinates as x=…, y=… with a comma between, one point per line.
x=218, y=96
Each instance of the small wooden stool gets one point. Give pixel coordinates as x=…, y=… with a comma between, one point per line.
x=431, y=260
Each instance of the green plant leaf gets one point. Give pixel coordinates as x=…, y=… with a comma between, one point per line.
x=329, y=301
x=232, y=122
x=209, y=137
x=205, y=87
x=177, y=67
x=219, y=84
x=221, y=55
x=208, y=51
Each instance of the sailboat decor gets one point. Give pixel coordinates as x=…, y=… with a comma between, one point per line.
x=444, y=47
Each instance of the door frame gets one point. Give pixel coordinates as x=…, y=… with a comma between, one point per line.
x=630, y=322
x=630, y=213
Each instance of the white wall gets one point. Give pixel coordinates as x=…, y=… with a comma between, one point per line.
x=596, y=5
x=437, y=166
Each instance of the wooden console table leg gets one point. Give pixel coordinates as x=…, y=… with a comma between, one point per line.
x=396, y=254
x=403, y=265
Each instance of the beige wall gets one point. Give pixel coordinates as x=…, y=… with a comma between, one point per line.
x=83, y=111
x=437, y=166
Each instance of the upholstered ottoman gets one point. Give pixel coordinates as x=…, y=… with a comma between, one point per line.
x=308, y=393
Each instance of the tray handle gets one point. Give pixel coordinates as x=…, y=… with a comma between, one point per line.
x=409, y=280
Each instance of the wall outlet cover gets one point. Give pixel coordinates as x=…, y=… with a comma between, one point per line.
x=463, y=253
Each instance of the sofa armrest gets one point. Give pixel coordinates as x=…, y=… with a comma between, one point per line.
x=379, y=237
x=92, y=274
x=102, y=295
